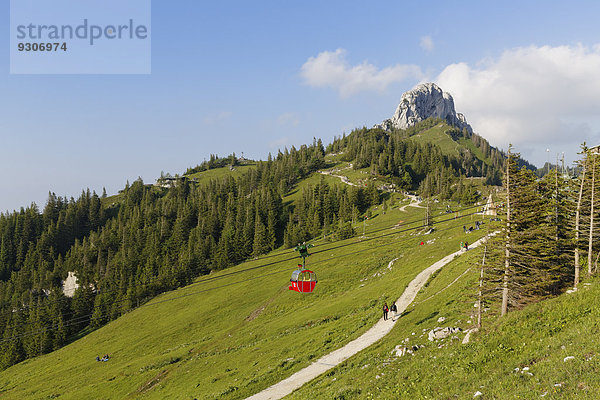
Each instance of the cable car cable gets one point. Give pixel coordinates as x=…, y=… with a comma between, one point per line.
x=28, y=307
x=90, y=317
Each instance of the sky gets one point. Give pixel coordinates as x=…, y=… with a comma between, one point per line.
x=254, y=77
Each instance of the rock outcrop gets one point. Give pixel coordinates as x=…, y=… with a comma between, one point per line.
x=70, y=285
x=425, y=101
x=442, y=333
x=400, y=350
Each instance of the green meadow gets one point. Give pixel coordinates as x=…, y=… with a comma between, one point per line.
x=219, y=173
x=233, y=333
x=547, y=350
x=438, y=136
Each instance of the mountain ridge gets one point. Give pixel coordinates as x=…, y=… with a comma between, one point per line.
x=155, y=239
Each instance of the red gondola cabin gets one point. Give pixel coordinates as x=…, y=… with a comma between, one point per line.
x=303, y=281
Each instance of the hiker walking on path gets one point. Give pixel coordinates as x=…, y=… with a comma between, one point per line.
x=385, y=311
x=372, y=336
x=394, y=310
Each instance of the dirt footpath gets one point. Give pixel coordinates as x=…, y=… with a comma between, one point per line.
x=379, y=330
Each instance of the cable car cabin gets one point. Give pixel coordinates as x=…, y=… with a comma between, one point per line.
x=303, y=281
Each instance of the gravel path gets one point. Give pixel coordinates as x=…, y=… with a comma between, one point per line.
x=414, y=202
x=378, y=331
x=343, y=178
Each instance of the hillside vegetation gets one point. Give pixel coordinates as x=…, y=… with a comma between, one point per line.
x=431, y=154
x=547, y=350
x=186, y=288
x=232, y=337
x=126, y=249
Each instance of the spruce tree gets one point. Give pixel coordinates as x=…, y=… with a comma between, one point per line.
x=260, y=244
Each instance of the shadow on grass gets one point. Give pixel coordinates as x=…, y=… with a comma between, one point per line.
x=427, y=318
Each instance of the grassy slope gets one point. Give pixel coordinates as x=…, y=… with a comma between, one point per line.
x=111, y=200
x=202, y=177
x=296, y=193
x=203, y=345
x=538, y=337
x=474, y=149
x=219, y=173
x=437, y=136
x=358, y=177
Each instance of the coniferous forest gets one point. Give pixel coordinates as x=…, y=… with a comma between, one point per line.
x=548, y=242
x=154, y=239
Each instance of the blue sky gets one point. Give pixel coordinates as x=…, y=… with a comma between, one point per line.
x=253, y=77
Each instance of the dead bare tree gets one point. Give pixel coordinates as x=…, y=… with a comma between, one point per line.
x=507, y=243
x=590, y=241
x=577, y=220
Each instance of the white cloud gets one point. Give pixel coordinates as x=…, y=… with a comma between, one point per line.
x=331, y=69
x=426, y=43
x=533, y=97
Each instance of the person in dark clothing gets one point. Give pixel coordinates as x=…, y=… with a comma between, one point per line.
x=385, y=311
x=394, y=310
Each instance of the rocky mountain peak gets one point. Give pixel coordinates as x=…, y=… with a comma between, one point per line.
x=424, y=101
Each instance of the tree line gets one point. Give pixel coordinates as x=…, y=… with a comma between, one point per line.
x=154, y=239
x=549, y=239
x=423, y=166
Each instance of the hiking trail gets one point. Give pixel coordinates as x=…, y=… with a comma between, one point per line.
x=375, y=333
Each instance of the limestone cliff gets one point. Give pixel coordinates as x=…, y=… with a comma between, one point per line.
x=425, y=101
